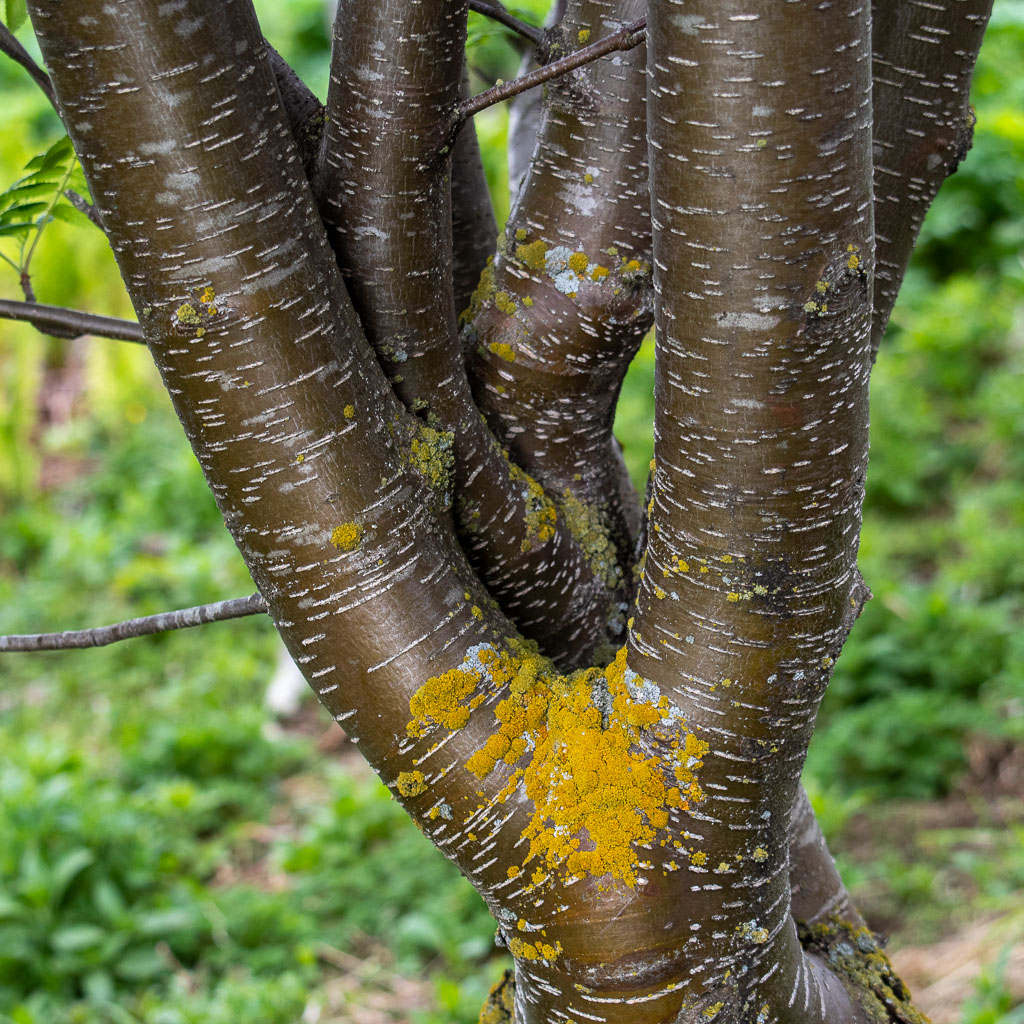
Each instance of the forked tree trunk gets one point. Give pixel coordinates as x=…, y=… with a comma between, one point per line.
x=439, y=518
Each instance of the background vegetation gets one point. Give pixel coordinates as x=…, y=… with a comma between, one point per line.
x=168, y=854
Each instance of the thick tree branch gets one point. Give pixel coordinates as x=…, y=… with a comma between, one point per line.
x=100, y=636
x=299, y=435
x=496, y=12
x=70, y=323
x=568, y=296
x=10, y=46
x=923, y=59
x=625, y=39
x=303, y=111
x=474, y=229
x=762, y=249
x=386, y=201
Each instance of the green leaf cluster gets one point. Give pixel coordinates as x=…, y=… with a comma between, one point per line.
x=37, y=198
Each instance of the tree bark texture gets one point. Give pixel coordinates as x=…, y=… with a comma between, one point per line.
x=433, y=506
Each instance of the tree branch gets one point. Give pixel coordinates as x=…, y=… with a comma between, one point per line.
x=569, y=296
x=474, y=229
x=70, y=323
x=497, y=12
x=386, y=201
x=298, y=433
x=10, y=46
x=625, y=39
x=83, y=205
x=303, y=111
x=923, y=58
x=100, y=636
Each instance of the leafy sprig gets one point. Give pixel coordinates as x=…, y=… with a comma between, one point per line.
x=36, y=199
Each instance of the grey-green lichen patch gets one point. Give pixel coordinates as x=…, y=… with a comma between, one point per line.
x=540, y=514
x=431, y=454
x=193, y=315
x=587, y=524
x=856, y=957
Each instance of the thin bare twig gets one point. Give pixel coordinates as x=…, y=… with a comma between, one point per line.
x=497, y=12
x=70, y=323
x=83, y=205
x=625, y=39
x=100, y=636
x=10, y=45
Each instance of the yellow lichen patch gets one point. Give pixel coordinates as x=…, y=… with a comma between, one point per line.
x=520, y=234
x=503, y=351
x=346, y=536
x=430, y=453
x=853, y=259
x=186, y=316
x=583, y=35
x=699, y=858
x=505, y=303
x=596, y=784
x=349, y=411
x=532, y=255
x=411, y=783
x=760, y=854
x=540, y=513
x=598, y=273
x=599, y=752
x=440, y=699
x=523, y=950
x=527, y=301
x=587, y=525
x=482, y=294
x=578, y=262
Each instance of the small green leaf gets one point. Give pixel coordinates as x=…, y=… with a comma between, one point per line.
x=75, y=937
x=141, y=965
x=13, y=230
x=67, y=869
x=15, y=14
x=58, y=154
x=69, y=214
x=22, y=212
x=29, y=191
x=161, y=923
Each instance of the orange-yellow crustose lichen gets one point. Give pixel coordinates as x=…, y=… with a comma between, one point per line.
x=346, y=536
x=523, y=950
x=411, y=783
x=601, y=754
x=440, y=699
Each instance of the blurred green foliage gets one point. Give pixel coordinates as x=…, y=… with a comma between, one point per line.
x=137, y=883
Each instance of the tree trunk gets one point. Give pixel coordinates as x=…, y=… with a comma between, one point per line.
x=438, y=516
